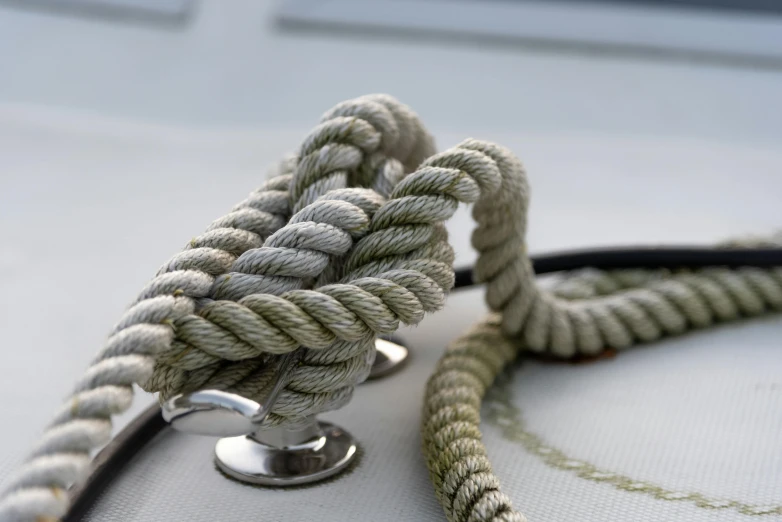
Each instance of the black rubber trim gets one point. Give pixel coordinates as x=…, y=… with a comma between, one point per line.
x=644, y=257
x=110, y=461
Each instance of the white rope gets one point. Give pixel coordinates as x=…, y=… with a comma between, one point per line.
x=176, y=335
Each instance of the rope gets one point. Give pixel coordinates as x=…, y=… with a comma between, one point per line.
x=341, y=245
x=176, y=325
x=583, y=313
x=264, y=282
x=389, y=282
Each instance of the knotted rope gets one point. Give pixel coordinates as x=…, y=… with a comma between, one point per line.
x=182, y=333
x=313, y=262
x=271, y=315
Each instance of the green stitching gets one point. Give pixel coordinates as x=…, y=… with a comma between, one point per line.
x=507, y=417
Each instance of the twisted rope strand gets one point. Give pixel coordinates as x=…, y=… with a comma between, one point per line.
x=298, y=253
x=422, y=200
x=220, y=317
x=455, y=456
x=165, y=319
x=356, y=310
x=62, y=456
x=586, y=312
x=407, y=294
x=458, y=466
x=591, y=282
x=328, y=384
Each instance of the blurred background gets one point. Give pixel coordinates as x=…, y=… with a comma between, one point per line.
x=126, y=126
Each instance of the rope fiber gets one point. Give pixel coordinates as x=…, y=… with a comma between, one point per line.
x=347, y=241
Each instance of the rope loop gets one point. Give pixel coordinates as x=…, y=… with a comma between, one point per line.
x=345, y=241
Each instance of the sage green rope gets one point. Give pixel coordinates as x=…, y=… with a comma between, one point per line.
x=591, y=282
x=585, y=312
x=459, y=467
x=456, y=458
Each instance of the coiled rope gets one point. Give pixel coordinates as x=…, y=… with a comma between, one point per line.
x=584, y=313
x=310, y=263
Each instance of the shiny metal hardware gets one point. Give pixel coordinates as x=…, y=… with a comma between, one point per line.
x=211, y=412
x=286, y=457
x=390, y=357
x=270, y=457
